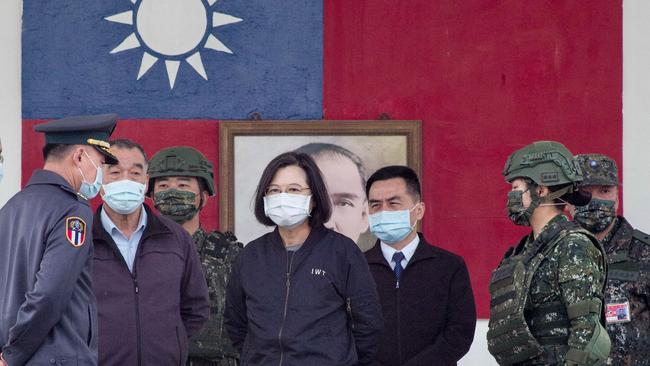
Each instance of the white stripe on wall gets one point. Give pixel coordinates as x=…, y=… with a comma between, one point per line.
x=478, y=354
x=636, y=112
x=10, y=116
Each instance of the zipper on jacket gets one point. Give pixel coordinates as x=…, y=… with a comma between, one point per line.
x=286, y=303
x=399, y=324
x=136, y=289
x=349, y=310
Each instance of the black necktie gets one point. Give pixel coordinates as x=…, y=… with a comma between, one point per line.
x=397, y=258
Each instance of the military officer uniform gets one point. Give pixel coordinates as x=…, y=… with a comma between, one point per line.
x=217, y=250
x=546, y=294
x=47, y=306
x=627, y=293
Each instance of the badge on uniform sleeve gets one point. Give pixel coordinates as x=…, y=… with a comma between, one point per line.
x=75, y=231
x=618, y=312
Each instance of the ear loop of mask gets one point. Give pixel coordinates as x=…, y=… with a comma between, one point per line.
x=416, y=220
x=83, y=177
x=534, y=202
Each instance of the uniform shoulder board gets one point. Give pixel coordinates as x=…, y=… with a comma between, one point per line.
x=641, y=236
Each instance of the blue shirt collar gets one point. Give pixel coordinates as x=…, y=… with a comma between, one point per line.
x=108, y=224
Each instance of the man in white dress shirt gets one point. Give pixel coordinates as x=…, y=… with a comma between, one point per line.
x=425, y=292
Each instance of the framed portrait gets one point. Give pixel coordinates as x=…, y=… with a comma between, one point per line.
x=346, y=152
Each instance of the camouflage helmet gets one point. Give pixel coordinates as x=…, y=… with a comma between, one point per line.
x=598, y=169
x=181, y=161
x=546, y=163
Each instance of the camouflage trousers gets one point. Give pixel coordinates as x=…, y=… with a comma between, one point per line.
x=227, y=361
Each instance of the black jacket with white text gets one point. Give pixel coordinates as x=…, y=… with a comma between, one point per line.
x=316, y=306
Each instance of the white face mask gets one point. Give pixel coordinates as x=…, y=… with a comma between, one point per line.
x=124, y=196
x=2, y=171
x=287, y=210
x=90, y=190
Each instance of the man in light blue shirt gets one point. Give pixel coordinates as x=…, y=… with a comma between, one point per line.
x=122, y=215
x=147, y=276
x=128, y=246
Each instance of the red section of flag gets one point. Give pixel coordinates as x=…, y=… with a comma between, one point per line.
x=486, y=78
x=153, y=135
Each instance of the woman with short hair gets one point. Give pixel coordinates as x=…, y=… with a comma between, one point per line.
x=301, y=294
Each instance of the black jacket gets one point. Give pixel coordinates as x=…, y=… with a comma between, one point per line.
x=430, y=318
x=317, y=306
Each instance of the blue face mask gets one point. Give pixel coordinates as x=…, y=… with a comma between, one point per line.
x=391, y=227
x=124, y=196
x=90, y=190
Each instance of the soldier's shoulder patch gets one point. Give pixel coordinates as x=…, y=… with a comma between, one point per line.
x=75, y=231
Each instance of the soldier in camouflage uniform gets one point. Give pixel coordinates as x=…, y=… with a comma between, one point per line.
x=627, y=293
x=546, y=294
x=181, y=179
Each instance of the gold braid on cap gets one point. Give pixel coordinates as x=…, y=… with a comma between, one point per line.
x=100, y=144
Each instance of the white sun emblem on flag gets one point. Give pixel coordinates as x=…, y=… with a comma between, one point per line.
x=172, y=30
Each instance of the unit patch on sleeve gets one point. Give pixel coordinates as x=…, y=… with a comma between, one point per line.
x=75, y=231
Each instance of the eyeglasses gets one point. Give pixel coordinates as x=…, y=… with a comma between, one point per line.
x=272, y=190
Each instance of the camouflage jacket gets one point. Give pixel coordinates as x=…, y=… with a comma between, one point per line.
x=572, y=272
x=217, y=252
x=628, y=280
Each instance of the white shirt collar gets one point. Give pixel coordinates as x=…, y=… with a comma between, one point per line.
x=408, y=252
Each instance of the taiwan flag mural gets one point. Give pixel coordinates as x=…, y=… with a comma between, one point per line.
x=484, y=77
x=173, y=58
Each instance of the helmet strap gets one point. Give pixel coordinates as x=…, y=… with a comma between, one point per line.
x=552, y=196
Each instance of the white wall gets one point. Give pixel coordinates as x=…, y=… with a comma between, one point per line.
x=478, y=354
x=10, y=116
x=636, y=112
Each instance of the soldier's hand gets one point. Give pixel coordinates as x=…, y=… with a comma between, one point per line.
x=2, y=361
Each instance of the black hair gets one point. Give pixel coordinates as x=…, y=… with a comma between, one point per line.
x=322, y=207
x=128, y=145
x=397, y=171
x=321, y=149
x=56, y=151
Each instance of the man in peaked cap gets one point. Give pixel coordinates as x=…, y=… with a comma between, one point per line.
x=47, y=307
x=628, y=257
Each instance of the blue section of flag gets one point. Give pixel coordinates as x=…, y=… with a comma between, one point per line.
x=275, y=69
